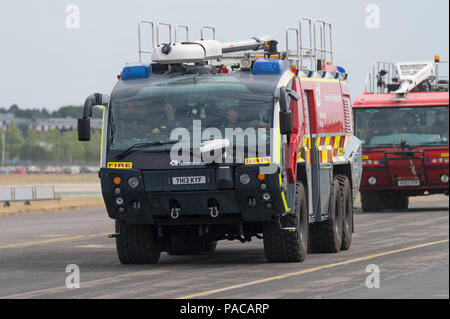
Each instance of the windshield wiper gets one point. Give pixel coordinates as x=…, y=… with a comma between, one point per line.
x=134, y=147
x=380, y=146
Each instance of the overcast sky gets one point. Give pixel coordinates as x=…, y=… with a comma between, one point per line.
x=45, y=64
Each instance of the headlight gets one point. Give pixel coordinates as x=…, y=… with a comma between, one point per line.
x=266, y=197
x=244, y=179
x=372, y=180
x=119, y=201
x=444, y=179
x=133, y=182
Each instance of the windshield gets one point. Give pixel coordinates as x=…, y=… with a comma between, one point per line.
x=177, y=107
x=387, y=127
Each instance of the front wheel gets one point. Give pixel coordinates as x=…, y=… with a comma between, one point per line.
x=372, y=201
x=398, y=202
x=284, y=246
x=190, y=245
x=137, y=244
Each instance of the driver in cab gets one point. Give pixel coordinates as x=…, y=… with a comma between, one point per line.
x=167, y=122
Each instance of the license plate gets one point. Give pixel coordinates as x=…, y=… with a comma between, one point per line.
x=189, y=180
x=409, y=183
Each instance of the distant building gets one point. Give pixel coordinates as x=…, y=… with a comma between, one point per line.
x=7, y=118
x=43, y=125
x=63, y=124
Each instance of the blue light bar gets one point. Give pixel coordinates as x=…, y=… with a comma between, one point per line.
x=341, y=69
x=136, y=71
x=268, y=66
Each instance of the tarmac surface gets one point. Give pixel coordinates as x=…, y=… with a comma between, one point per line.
x=409, y=248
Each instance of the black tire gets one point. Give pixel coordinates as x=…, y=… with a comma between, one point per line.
x=347, y=201
x=326, y=237
x=210, y=246
x=372, y=201
x=282, y=246
x=398, y=202
x=137, y=244
x=185, y=245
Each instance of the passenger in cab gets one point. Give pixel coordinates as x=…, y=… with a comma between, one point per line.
x=440, y=125
x=410, y=124
x=167, y=122
x=378, y=126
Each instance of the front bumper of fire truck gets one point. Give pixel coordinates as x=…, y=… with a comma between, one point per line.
x=422, y=172
x=209, y=194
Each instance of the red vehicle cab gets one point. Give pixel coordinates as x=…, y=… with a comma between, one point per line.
x=402, y=120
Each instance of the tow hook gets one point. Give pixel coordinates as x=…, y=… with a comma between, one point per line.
x=214, y=211
x=115, y=235
x=175, y=212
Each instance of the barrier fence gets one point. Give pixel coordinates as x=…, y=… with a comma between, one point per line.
x=27, y=194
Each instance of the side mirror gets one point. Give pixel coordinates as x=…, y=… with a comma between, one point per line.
x=84, y=130
x=84, y=123
x=286, y=124
x=293, y=95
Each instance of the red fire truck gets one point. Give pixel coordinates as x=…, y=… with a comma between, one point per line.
x=402, y=120
x=228, y=141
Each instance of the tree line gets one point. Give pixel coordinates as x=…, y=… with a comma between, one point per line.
x=33, y=114
x=55, y=146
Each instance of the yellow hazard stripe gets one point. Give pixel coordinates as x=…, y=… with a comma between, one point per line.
x=324, y=157
x=286, y=208
x=102, y=139
x=337, y=142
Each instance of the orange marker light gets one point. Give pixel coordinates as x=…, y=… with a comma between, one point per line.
x=437, y=59
x=261, y=177
x=294, y=69
x=117, y=180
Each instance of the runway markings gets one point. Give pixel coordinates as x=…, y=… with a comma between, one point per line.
x=306, y=271
x=97, y=246
x=50, y=241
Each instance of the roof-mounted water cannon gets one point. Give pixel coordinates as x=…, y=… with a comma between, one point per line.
x=411, y=75
x=402, y=78
x=271, y=48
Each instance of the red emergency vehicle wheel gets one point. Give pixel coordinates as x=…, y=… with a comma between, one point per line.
x=397, y=201
x=372, y=201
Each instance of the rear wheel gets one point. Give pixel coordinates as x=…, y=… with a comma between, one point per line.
x=186, y=245
x=326, y=237
x=347, y=201
x=137, y=244
x=372, y=201
x=288, y=246
x=210, y=246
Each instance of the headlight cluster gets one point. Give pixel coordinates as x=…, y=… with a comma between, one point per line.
x=372, y=180
x=245, y=179
x=119, y=200
x=437, y=160
x=133, y=182
x=264, y=191
x=373, y=162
